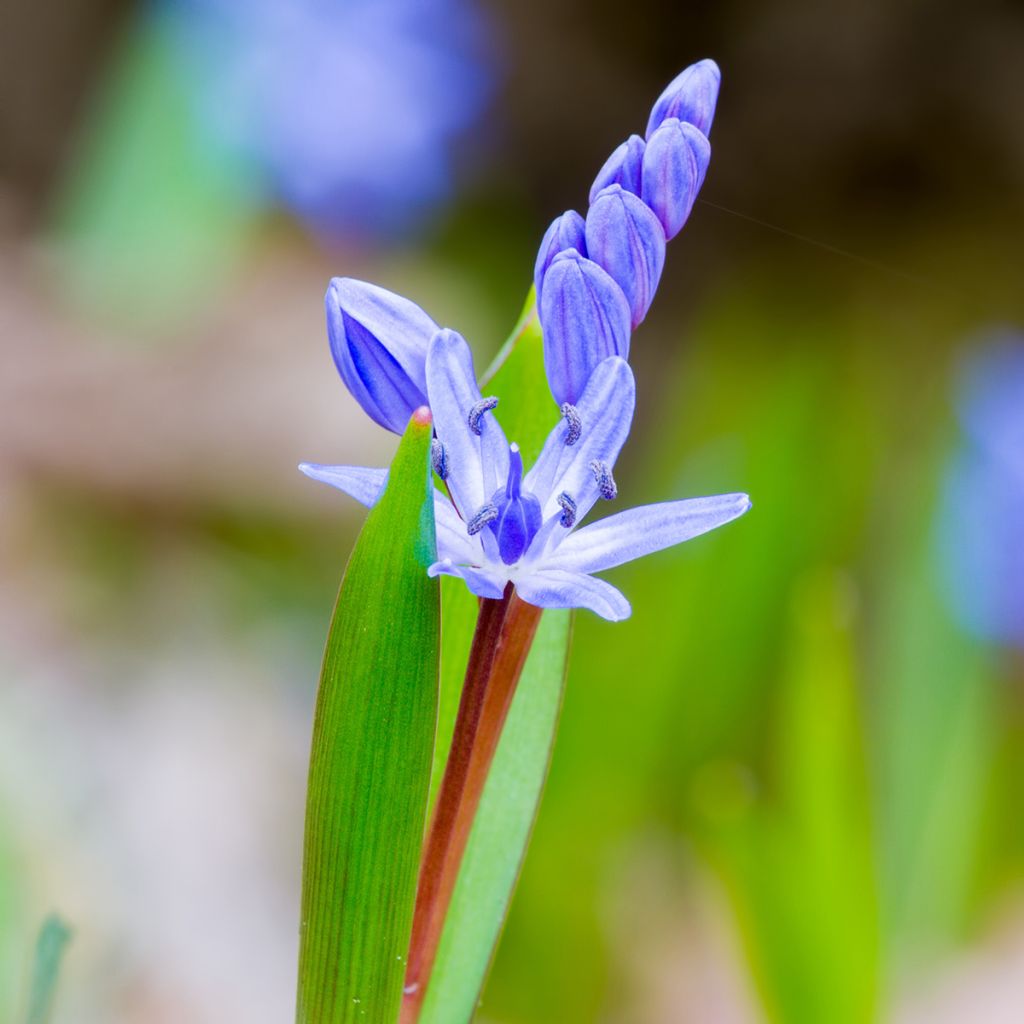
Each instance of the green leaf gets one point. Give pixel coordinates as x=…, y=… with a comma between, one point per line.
x=800, y=866
x=373, y=739
x=508, y=808
x=53, y=937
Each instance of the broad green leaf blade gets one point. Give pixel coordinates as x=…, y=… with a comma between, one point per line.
x=373, y=739
x=512, y=794
x=53, y=937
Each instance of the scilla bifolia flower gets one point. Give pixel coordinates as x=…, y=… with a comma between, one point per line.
x=502, y=525
x=379, y=342
x=500, y=522
x=640, y=199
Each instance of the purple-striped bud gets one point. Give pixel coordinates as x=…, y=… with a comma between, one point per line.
x=621, y=168
x=565, y=232
x=675, y=162
x=379, y=342
x=626, y=238
x=585, y=318
x=691, y=97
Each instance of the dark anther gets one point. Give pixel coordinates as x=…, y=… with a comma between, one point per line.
x=568, y=506
x=438, y=458
x=605, y=480
x=573, y=422
x=487, y=514
x=484, y=405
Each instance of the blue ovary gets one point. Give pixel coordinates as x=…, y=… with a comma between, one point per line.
x=519, y=514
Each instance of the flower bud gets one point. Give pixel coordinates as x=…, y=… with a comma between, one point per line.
x=621, y=168
x=379, y=341
x=585, y=318
x=625, y=237
x=565, y=232
x=691, y=97
x=675, y=162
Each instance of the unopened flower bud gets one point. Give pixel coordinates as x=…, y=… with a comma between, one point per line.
x=585, y=318
x=626, y=238
x=379, y=342
x=565, y=232
x=675, y=162
x=621, y=168
x=691, y=96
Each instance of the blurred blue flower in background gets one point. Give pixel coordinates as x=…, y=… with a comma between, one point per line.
x=349, y=107
x=211, y=112
x=981, y=524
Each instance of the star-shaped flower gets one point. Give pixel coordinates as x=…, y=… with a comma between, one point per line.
x=497, y=526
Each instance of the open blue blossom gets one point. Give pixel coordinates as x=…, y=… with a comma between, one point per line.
x=981, y=522
x=347, y=109
x=640, y=199
x=498, y=525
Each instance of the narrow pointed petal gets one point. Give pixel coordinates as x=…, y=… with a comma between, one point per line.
x=623, y=168
x=691, y=97
x=605, y=413
x=379, y=343
x=585, y=318
x=555, y=588
x=479, y=581
x=477, y=463
x=625, y=237
x=675, y=162
x=640, y=531
x=363, y=483
x=565, y=232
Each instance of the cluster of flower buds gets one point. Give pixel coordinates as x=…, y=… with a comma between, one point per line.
x=497, y=521
x=596, y=276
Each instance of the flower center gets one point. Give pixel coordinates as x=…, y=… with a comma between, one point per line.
x=519, y=514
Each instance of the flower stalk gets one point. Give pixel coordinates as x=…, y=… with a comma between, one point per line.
x=504, y=632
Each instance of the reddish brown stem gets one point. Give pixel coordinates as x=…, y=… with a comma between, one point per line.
x=504, y=632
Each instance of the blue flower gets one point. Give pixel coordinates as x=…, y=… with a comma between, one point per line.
x=981, y=523
x=499, y=525
x=347, y=109
x=640, y=199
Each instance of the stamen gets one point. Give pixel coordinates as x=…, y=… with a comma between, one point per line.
x=605, y=480
x=484, y=405
x=487, y=514
x=439, y=458
x=575, y=424
x=568, y=506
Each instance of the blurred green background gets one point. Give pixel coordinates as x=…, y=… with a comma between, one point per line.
x=789, y=787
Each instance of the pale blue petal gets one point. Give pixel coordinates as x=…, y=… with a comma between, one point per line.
x=639, y=531
x=555, y=588
x=363, y=483
x=479, y=581
x=477, y=464
x=606, y=414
